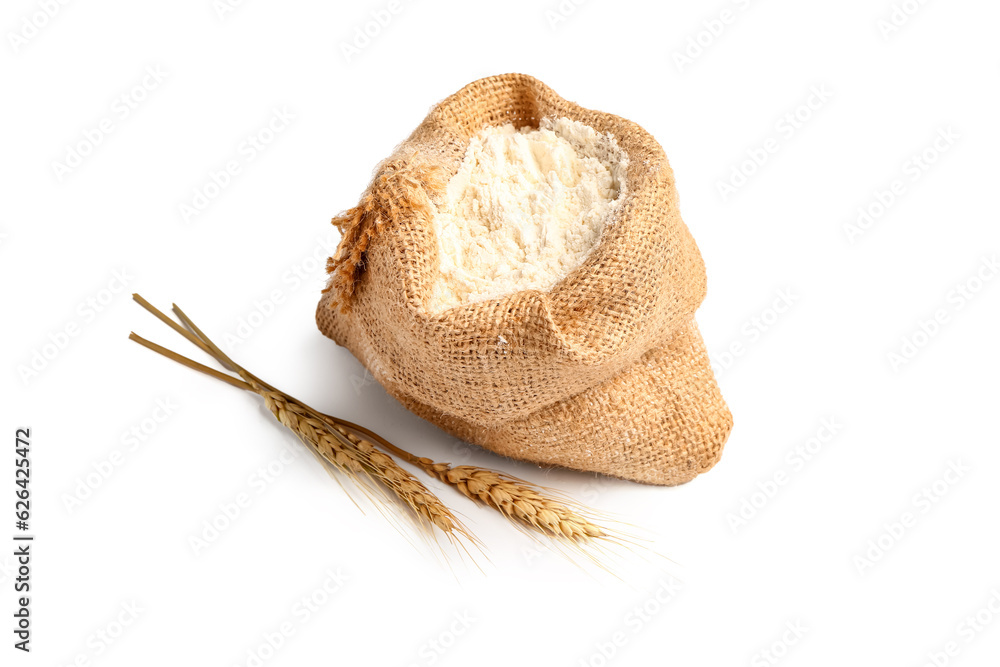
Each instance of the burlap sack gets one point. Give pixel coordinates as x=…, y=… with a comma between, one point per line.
x=607, y=372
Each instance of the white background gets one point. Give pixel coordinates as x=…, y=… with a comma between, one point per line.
x=827, y=356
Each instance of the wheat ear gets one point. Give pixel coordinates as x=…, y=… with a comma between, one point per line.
x=354, y=455
x=357, y=458
x=524, y=503
x=353, y=450
x=517, y=500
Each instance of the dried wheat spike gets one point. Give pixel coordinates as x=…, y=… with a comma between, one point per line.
x=518, y=500
x=357, y=457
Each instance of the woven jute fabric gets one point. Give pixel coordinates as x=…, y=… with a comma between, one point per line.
x=606, y=372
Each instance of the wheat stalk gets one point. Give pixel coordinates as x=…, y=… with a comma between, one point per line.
x=354, y=451
x=357, y=458
x=354, y=455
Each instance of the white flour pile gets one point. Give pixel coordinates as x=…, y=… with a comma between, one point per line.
x=524, y=209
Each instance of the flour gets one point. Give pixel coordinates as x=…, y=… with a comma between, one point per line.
x=525, y=208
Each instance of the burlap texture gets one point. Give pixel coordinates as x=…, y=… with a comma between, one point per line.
x=607, y=372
